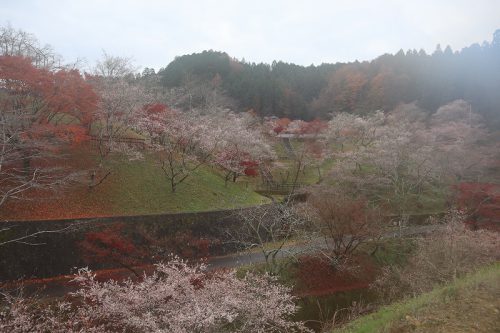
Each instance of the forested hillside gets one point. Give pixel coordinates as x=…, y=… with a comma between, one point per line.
x=218, y=195
x=288, y=90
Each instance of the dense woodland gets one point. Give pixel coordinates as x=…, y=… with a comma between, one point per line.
x=287, y=90
x=346, y=157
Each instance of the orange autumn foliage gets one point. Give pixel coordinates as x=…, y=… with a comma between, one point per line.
x=52, y=102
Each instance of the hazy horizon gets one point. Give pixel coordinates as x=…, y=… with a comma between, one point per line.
x=153, y=33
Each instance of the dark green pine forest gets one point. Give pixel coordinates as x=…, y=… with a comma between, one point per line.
x=287, y=90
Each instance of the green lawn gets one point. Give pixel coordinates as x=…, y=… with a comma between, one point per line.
x=141, y=187
x=133, y=188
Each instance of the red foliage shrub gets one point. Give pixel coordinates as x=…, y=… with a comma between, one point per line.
x=316, y=276
x=250, y=168
x=481, y=202
x=111, y=245
x=313, y=127
x=283, y=122
x=278, y=129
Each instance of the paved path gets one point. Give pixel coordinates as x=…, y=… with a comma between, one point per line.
x=59, y=286
x=256, y=256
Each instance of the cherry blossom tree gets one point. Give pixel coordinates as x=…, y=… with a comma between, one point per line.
x=110, y=66
x=394, y=157
x=242, y=146
x=120, y=103
x=199, y=95
x=177, y=297
x=354, y=131
x=465, y=147
x=182, y=141
x=305, y=146
x=268, y=228
x=313, y=152
x=387, y=161
x=198, y=128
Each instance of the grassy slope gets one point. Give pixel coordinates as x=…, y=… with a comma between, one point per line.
x=146, y=190
x=138, y=187
x=470, y=304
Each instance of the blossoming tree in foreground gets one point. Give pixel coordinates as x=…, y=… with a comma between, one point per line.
x=177, y=297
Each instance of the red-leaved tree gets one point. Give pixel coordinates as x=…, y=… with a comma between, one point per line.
x=481, y=202
x=41, y=112
x=112, y=246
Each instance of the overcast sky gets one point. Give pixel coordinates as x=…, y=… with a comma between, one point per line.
x=308, y=32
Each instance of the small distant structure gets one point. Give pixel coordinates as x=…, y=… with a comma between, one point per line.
x=132, y=142
x=270, y=118
x=299, y=136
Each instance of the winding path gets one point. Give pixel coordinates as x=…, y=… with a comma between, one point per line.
x=59, y=286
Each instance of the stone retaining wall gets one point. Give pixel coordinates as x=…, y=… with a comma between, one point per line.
x=57, y=251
